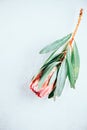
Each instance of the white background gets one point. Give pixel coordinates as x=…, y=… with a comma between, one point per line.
x=25, y=27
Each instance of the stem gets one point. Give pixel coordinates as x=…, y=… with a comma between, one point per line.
x=76, y=28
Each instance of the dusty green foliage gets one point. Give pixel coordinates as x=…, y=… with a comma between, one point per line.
x=67, y=62
x=56, y=44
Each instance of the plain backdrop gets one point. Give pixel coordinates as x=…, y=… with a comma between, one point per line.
x=25, y=27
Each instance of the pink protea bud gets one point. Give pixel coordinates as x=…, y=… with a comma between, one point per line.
x=46, y=88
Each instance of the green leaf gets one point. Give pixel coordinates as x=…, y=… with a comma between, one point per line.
x=55, y=54
x=55, y=45
x=50, y=57
x=46, y=73
x=54, y=77
x=70, y=68
x=56, y=58
x=62, y=75
x=53, y=81
x=51, y=94
x=75, y=59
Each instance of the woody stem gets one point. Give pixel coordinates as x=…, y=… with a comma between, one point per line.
x=76, y=28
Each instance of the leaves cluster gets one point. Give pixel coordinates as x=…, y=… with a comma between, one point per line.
x=67, y=62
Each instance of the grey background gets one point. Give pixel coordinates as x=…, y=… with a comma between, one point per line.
x=25, y=27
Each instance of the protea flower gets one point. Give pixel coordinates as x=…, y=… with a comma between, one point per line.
x=46, y=87
x=52, y=76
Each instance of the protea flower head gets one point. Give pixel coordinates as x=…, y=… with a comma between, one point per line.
x=46, y=87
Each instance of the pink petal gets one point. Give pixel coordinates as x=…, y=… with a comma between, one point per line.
x=46, y=91
x=46, y=88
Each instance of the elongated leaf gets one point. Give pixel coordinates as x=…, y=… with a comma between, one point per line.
x=50, y=57
x=70, y=68
x=75, y=61
x=62, y=75
x=53, y=80
x=54, y=54
x=51, y=94
x=55, y=45
x=56, y=58
x=54, y=76
x=46, y=73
